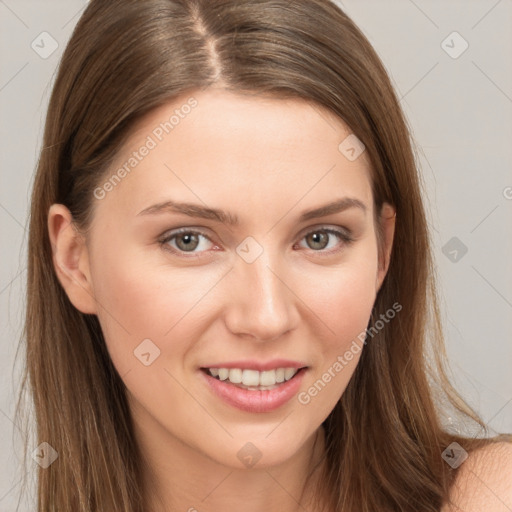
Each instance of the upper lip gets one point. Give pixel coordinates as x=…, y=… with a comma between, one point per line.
x=261, y=366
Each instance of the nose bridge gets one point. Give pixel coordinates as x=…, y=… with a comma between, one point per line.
x=262, y=306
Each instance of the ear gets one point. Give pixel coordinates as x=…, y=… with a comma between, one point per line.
x=70, y=259
x=387, y=219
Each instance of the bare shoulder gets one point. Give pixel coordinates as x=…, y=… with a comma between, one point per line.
x=484, y=481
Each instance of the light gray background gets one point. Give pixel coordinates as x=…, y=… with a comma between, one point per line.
x=459, y=110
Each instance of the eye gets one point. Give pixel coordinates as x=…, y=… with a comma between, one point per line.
x=318, y=240
x=184, y=240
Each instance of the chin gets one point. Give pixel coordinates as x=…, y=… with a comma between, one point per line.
x=253, y=451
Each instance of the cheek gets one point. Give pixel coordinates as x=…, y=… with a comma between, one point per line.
x=345, y=307
x=343, y=297
x=343, y=303
x=138, y=300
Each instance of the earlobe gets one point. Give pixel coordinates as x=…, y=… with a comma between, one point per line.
x=387, y=219
x=70, y=259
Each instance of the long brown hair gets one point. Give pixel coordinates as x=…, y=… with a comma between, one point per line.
x=385, y=437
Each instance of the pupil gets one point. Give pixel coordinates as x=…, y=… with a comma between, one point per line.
x=317, y=238
x=187, y=241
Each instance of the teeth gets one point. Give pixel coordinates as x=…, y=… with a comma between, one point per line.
x=235, y=375
x=289, y=373
x=267, y=378
x=254, y=378
x=250, y=378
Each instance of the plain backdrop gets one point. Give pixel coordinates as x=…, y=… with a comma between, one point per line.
x=451, y=64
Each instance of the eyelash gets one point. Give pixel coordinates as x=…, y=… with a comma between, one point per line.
x=344, y=236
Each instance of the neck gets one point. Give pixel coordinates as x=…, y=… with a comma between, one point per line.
x=178, y=478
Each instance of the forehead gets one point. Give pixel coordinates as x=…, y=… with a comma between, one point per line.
x=218, y=147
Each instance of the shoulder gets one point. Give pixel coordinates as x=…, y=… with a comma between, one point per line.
x=484, y=481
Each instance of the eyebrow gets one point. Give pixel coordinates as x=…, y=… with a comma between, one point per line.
x=203, y=212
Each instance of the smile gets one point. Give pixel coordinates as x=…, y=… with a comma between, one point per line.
x=254, y=391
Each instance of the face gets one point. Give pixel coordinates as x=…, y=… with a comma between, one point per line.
x=243, y=280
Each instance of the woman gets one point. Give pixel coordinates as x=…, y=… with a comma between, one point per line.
x=230, y=274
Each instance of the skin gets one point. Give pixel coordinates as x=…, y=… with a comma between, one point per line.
x=267, y=161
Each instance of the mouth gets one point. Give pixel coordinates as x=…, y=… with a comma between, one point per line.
x=254, y=380
x=251, y=390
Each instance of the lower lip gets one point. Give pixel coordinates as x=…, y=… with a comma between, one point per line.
x=255, y=401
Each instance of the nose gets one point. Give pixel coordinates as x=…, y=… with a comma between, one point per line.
x=262, y=303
